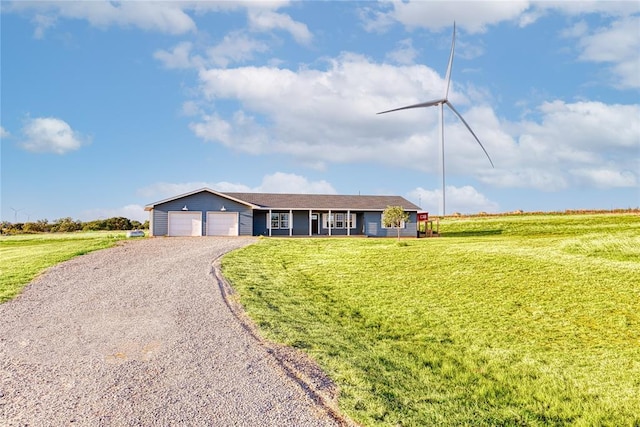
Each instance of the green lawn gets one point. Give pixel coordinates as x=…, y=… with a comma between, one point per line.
x=519, y=320
x=23, y=257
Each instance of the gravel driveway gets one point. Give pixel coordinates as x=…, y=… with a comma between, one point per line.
x=142, y=334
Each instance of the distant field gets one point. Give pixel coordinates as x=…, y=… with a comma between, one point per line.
x=23, y=257
x=511, y=320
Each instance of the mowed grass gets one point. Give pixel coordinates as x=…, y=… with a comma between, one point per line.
x=523, y=320
x=23, y=257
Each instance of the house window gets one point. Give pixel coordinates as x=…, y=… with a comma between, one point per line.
x=275, y=220
x=339, y=220
x=279, y=220
x=402, y=224
x=284, y=220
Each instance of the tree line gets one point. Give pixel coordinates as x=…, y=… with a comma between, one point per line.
x=65, y=225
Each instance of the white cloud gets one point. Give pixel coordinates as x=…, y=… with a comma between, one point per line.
x=465, y=200
x=606, y=178
x=281, y=182
x=288, y=111
x=375, y=17
x=179, y=57
x=278, y=182
x=474, y=17
x=168, y=17
x=42, y=24
x=4, y=133
x=579, y=29
x=520, y=176
x=404, y=53
x=235, y=47
x=132, y=212
x=190, y=108
x=267, y=20
x=171, y=17
x=328, y=116
x=49, y=134
x=578, y=8
x=619, y=45
x=582, y=143
x=591, y=124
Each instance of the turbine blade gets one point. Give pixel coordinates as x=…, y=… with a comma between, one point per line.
x=470, y=130
x=421, y=105
x=448, y=75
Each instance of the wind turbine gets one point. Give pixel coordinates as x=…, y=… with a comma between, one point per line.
x=15, y=214
x=441, y=103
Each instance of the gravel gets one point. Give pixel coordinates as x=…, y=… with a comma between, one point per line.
x=145, y=334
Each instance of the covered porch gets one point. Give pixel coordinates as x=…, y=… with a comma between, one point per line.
x=308, y=222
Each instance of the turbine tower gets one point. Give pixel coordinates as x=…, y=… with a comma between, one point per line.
x=441, y=103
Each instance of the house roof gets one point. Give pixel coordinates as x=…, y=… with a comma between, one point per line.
x=305, y=201
x=323, y=201
x=200, y=190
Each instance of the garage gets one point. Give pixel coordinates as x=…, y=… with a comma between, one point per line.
x=222, y=223
x=185, y=224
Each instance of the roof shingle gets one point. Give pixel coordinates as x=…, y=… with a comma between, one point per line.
x=323, y=201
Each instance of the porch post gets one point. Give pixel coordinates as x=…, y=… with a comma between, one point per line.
x=290, y=222
x=269, y=222
x=310, y=223
x=348, y=222
x=329, y=222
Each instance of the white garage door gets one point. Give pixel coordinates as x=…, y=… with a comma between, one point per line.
x=185, y=224
x=222, y=223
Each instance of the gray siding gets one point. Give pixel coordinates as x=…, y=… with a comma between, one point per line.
x=260, y=223
x=300, y=223
x=246, y=222
x=200, y=202
x=373, y=226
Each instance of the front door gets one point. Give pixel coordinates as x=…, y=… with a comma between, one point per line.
x=314, y=224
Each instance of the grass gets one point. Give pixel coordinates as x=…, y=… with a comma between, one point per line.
x=522, y=320
x=23, y=257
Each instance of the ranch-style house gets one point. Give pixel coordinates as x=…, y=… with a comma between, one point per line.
x=206, y=212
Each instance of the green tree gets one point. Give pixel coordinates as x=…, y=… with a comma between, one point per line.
x=118, y=223
x=395, y=217
x=40, y=226
x=95, y=225
x=65, y=225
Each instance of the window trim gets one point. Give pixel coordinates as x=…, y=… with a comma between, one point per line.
x=345, y=221
x=279, y=221
x=284, y=221
x=403, y=224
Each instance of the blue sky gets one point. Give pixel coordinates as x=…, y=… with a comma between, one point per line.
x=108, y=106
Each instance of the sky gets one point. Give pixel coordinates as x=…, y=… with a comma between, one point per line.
x=109, y=106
